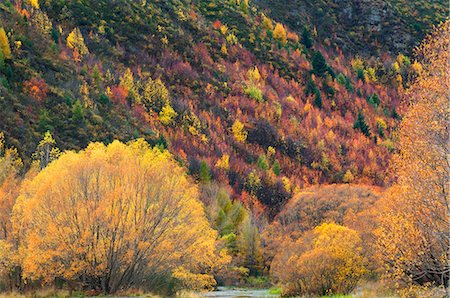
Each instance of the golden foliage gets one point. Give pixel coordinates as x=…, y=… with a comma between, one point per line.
x=224, y=162
x=35, y=3
x=127, y=82
x=414, y=237
x=267, y=23
x=239, y=133
x=46, y=151
x=75, y=41
x=113, y=216
x=348, y=177
x=155, y=95
x=254, y=75
x=167, y=115
x=279, y=33
x=325, y=261
x=10, y=165
x=4, y=44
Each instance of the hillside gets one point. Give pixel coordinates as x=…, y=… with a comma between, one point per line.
x=235, y=96
x=369, y=27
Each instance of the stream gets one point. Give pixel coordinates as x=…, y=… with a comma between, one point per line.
x=228, y=292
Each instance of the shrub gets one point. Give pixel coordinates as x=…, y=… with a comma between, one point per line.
x=71, y=212
x=327, y=260
x=254, y=93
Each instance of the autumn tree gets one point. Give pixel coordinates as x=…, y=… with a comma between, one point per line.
x=239, y=132
x=237, y=232
x=155, y=95
x=167, y=115
x=4, y=44
x=35, y=3
x=127, y=83
x=414, y=233
x=46, y=151
x=327, y=260
x=37, y=88
x=249, y=246
x=279, y=33
x=267, y=23
x=75, y=41
x=10, y=165
x=114, y=216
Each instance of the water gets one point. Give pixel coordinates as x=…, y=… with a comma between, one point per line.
x=226, y=292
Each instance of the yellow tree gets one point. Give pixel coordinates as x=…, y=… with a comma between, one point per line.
x=280, y=34
x=239, y=132
x=167, y=115
x=155, y=95
x=35, y=3
x=327, y=260
x=127, y=82
x=75, y=41
x=414, y=232
x=4, y=44
x=46, y=151
x=114, y=216
x=10, y=165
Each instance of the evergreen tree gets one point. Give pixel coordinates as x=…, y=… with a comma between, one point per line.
x=306, y=38
x=204, y=173
x=276, y=168
x=319, y=64
x=361, y=124
x=262, y=163
x=318, y=99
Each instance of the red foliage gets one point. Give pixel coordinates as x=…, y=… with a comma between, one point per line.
x=37, y=88
x=217, y=24
x=119, y=94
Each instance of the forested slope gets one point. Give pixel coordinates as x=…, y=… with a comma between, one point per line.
x=234, y=95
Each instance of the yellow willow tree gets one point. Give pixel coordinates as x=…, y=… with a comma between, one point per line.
x=327, y=260
x=10, y=165
x=414, y=232
x=112, y=217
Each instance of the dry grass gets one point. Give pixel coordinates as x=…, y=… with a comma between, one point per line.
x=52, y=293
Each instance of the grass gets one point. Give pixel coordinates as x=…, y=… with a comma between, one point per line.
x=275, y=291
x=52, y=293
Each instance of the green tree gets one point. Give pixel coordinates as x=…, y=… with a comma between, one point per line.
x=249, y=246
x=317, y=99
x=319, y=64
x=204, y=172
x=361, y=124
x=127, y=82
x=276, y=168
x=77, y=111
x=262, y=162
x=306, y=38
x=155, y=95
x=96, y=75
